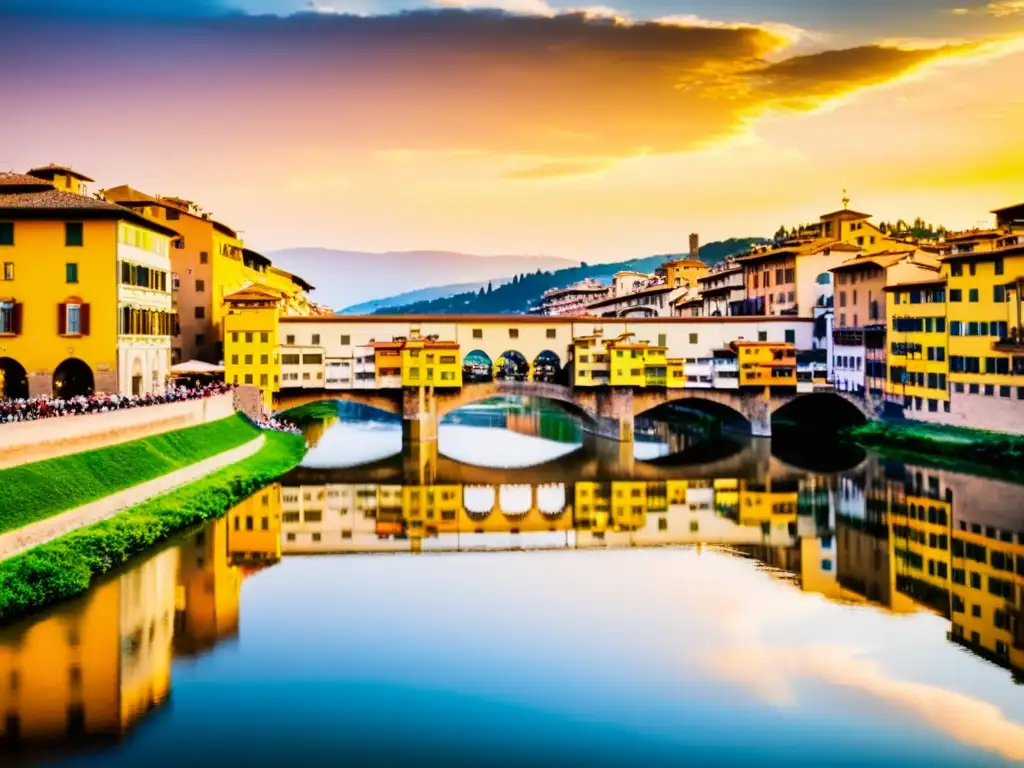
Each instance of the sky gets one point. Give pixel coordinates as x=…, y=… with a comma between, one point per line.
x=590, y=132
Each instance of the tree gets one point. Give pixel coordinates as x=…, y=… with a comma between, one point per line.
x=781, y=233
x=490, y=288
x=481, y=294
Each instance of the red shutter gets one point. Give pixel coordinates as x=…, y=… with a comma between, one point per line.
x=84, y=319
x=17, y=319
x=62, y=319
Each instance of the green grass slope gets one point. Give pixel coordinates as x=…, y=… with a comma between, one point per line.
x=36, y=491
x=67, y=566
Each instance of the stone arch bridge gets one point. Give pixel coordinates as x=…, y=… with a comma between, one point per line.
x=607, y=412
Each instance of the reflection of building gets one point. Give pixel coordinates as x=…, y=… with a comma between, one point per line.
x=94, y=667
x=206, y=600
x=254, y=528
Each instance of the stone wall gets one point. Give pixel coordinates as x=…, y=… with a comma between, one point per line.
x=248, y=401
x=28, y=441
x=994, y=413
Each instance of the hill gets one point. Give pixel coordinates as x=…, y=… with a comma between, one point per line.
x=344, y=278
x=423, y=294
x=526, y=290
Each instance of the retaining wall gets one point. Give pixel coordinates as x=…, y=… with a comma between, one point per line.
x=27, y=441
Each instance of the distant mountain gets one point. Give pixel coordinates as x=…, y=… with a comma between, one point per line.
x=423, y=294
x=344, y=278
x=527, y=288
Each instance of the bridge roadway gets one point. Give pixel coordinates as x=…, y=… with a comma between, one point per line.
x=607, y=411
x=597, y=460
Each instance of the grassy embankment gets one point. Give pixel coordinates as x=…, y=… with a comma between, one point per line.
x=972, y=450
x=66, y=566
x=36, y=491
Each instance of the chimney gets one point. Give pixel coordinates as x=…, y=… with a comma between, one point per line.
x=695, y=246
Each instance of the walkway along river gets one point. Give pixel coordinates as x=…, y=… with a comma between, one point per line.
x=593, y=607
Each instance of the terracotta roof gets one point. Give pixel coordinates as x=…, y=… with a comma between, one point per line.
x=686, y=263
x=721, y=289
x=548, y=320
x=882, y=259
x=254, y=292
x=125, y=195
x=731, y=269
x=625, y=297
x=8, y=179
x=974, y=234
x=799, y=249
x=916, y=284
x=1008, y=208
x=224, y=228
x=52, y=203
x=846, y=213
x=49, y=171
x=987, y=253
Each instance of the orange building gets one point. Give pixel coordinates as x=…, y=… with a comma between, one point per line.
x=766, y=363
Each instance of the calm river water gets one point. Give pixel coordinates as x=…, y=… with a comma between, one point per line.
x=528, y=595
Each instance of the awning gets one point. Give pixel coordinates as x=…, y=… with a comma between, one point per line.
x=193, y=367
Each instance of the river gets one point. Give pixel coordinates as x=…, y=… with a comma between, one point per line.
x=524, y=593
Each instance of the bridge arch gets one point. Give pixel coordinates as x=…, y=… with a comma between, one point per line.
x=547, y=368
x=447, y=402
x=511, y=365
x=13, y=380
x=477, y=367
x=826, y=411
x=380, y=400
x=725, y=407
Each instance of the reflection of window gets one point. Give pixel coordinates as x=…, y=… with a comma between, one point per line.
x=8, y=270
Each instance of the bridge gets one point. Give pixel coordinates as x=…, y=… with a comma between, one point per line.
x=607, y=412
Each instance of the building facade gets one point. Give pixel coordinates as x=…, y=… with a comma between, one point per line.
x=85, y=295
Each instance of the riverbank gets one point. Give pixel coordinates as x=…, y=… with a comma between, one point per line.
x=33, y=492
x=66, y=566
x=989, y=453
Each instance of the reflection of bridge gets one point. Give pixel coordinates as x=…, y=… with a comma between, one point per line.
x=596, y=460
x=609, y=412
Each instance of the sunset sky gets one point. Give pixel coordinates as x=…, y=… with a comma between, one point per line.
x=524, y=126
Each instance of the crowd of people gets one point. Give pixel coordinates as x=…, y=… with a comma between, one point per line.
x=278, y=425
x=45, y=407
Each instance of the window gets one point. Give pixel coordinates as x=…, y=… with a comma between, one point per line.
x=693, y=338
x=513, y=333
x=248, y=337
x=71, y=272
x=289, y=339
x=204, y=257
x=791, y=336
x=762, y=335
x=200, y=313
x=73, y=234
x=346, y=340
x=72, y=319
x=248, y=378
x=956, y=295
x=478, y=333
x=234, y=359
x=8, y=270
x=972, y=295
x=9, y=317
x=551, y=333
x=248, y=359
x=6, y=233
x=263, y=379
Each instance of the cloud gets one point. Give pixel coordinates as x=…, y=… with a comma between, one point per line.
x=118, y=8
x=558, y=169
x=1004, y=8
x=571, y=90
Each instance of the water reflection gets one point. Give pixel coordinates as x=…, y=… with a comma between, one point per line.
x=895, y=542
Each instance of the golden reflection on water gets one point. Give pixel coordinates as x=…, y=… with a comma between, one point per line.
x=893, y=537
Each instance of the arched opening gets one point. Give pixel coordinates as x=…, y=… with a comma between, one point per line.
x=479, y=501
x=73, y=378
x=703, y=412
x=477, y=367
x=511, y=366
x=688, y=431
x=819, y=411
x=137, y=377
x=13, y=380
x=805, y=432
x=547, y=368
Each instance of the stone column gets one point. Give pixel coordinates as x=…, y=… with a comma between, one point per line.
x=419, y=415
x=419, y=462
x=615, y=410
x=758, y=410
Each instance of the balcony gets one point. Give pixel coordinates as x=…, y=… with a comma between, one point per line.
x=1013, y=342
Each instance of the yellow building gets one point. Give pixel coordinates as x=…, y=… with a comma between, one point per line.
x=251, y=344
x=209, y=263
x=917, y=354
x=431, y=363
x=591, y=362
x=207, y=592
x=766, y=363
x=85, y=300
x=628, y=361
x=986, y=345
x=254, y=528
x=684, y=273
